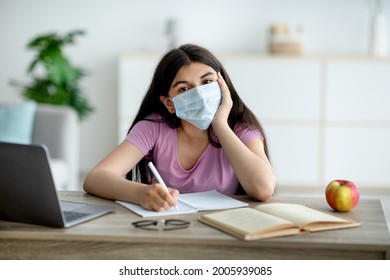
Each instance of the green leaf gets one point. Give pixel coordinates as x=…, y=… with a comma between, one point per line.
x=60, y=82
x=33, y=64
x=69, y=38
x=41, y=42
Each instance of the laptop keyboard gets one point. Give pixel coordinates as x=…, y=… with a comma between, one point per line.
x=71, y=215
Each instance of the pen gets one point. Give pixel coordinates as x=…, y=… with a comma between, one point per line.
x=158, y=177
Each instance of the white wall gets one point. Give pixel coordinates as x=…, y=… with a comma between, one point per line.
x=117, y=26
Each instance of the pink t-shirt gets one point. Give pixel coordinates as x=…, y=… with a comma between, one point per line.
x=158, y=141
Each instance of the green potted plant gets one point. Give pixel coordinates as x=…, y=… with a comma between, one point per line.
x=54, y=79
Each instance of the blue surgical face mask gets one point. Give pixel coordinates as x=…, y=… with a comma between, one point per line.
x=198, y=105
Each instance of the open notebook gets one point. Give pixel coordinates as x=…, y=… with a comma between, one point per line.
x=190, y=203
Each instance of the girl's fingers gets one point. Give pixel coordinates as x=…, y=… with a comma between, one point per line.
x=222, y=84
x=162, y=199
x=224, y=88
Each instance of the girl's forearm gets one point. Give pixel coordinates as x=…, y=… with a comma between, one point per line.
x=106, y=184
x=253, y=170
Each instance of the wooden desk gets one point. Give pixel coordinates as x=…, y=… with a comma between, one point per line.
x=113, y=237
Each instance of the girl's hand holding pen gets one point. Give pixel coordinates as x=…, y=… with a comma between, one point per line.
x=159, y=197
x=156, y=198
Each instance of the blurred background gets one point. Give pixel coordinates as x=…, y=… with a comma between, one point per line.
x=317, y=33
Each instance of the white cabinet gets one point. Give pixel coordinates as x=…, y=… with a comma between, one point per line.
x=361, y=154
x=325, y=118
x=285, y=96
x=358, y=91
x=357, y=134
x=277, y=89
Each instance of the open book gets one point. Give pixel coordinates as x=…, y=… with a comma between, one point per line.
x=272, y=220
x=190, y=203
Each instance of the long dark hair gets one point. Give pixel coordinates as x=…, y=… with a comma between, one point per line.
x=162, y=80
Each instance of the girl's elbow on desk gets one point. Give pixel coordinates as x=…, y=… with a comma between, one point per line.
x=93, y=180
x=262, y=190
x=87, y=184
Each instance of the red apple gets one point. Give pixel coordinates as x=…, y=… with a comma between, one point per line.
x=342, y=195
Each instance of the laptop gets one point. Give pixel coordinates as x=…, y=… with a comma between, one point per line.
x=28, y=193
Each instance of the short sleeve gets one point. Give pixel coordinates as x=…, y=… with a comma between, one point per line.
x=247, y=133
x=143, y=135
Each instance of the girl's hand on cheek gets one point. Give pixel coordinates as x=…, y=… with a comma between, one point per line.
x=226, y=104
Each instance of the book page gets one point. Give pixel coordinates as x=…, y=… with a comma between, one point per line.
x=247, y=223
x=299, y=214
